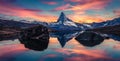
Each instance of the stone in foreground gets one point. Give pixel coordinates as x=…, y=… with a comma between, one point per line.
x=89, y=38
x=35, y=38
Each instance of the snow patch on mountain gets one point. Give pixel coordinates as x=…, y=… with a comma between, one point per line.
x=113, y=22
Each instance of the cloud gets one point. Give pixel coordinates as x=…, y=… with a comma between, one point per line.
x=12, y=10
x=78, y=1
x=50, y=3
x=64, y=7
x=78, y=7
x=117, y=12
x=85, y=18
x=33, y=10
x=82, y=6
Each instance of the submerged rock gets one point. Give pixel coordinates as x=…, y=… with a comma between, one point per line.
x=89, y=38
x=36, y=38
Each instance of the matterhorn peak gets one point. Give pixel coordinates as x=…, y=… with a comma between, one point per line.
x=65, y=21
x=62, y=18
x=62, y=14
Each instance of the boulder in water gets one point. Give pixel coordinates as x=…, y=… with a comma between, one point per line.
x=89, y=38
x=36, y=38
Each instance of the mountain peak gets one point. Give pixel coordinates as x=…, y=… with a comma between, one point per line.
x=62, y=18
x=65, y=21
x=62, y=14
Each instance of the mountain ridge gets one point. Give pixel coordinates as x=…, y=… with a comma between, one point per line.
x=115, y=21
x=63, y=23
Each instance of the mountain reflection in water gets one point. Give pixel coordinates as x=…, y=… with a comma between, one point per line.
x=73, y=50
x=87, y=38
x=63, y=37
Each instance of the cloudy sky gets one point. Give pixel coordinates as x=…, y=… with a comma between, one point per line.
x=82, y=11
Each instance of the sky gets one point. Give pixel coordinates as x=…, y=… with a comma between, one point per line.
x=81, y=11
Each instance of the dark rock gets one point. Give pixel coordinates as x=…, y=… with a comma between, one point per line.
x=115, y=30
x=89, y=38
x=36, y=38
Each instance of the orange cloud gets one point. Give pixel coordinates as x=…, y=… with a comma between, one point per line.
x=93, y=5
x=85, y=5
x=81, y=7
x=85, y=18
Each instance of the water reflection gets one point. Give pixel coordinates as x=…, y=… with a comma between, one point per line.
x=89, y=38
x=78, y=52
x=63, y=37
x=36, y=38
x=38, y=45
x=115, y=37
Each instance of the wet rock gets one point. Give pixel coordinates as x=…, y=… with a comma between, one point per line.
x=36, y=38
x=89, y=38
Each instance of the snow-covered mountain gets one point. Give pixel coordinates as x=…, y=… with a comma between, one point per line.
x=63, y=20
x=113, y=22
x=16, y=24
x=64, y=23
x=38, y=22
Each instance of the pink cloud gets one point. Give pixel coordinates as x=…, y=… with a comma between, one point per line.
x=64, y=7
x=76, y=1
x=33, y=10
x=85, y=18
x=117, y=12
x=12, y=10
x=50, y=3
x=82, y=6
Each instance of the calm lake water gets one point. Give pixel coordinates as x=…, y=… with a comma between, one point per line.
x=72, y=50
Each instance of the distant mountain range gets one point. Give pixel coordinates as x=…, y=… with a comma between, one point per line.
x=63, y=24
x=20, y=24
x=113, y=22
x=11, y=23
